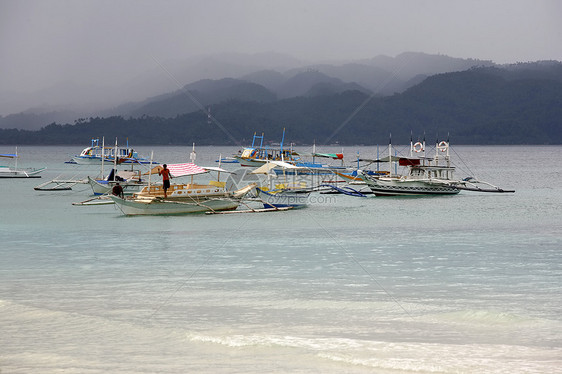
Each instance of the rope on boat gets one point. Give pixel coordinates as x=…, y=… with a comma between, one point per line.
x=462, y=160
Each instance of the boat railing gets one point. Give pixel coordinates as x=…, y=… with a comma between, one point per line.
x=180, y=189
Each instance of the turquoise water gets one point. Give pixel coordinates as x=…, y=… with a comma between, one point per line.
x=459, y=284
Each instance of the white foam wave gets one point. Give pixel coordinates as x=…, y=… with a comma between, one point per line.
x=484, y=317
x=403, y=357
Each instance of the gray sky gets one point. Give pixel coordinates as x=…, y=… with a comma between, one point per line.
x=43, y=42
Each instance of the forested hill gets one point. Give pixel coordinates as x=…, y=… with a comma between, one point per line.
x=521, y=104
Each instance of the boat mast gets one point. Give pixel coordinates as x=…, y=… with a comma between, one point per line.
x=396, y=162
x=447, y=154
x=314, y=151
x=193, y=154
x=282, y=140
x=115, y=161
x=437, y=150
x=269, y=182
x=390, y=156
x=378, y=158
x=219, y=173
x=192, y=157
x=283, y=158
x=449, y=160
x=150, y=170
x=102, y=154
x=423, y=148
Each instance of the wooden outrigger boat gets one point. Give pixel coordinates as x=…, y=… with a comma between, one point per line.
x=258, y=155
x=282, y=195
x=131, y=182
x=182, y=198
x=96, y=154
x=15, y=172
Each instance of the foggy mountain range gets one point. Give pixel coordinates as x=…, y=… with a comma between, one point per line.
x=508, y=104
x=174, y=88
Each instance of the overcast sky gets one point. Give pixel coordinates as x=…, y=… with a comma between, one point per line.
x=43, y=42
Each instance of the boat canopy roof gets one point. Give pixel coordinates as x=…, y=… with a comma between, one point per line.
x=265, y=168
x=408, y=161
x=214, y=168
x=384, y=159
x=8, y=155
x=126, y=174
x=403, y=161
x=180, y=170
x=334, y=156
x=285, y=165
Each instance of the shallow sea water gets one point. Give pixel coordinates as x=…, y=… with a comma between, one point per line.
x=460, y=284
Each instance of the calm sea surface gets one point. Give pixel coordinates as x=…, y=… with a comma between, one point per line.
x=461, y=284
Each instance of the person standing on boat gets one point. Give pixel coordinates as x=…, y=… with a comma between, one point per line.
x=118, y=191
x=165, y=173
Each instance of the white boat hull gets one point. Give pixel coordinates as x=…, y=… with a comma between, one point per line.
x=6, y=172
x=284, y=198
x=94, y=160
x=86, y=160
x=104, y=187
x=181, y=199
x=249, y=163
x=406, y=187
x=170, y=206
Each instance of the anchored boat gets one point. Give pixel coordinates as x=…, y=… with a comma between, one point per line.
x=281, y=195
x=15, y=172
x=182, y=198
x=257, y=155
x=95, y=153
x=131, y=182
x=426, y=175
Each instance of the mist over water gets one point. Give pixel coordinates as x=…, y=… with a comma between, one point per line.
x=89, y=55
